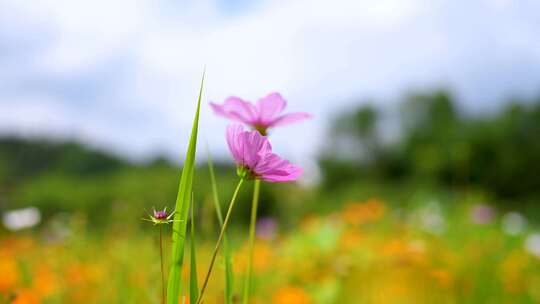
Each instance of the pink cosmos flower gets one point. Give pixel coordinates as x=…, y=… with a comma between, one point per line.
x=253, y=155
x=261, y=116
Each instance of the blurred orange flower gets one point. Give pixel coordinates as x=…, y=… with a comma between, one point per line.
x=404, y=251
x=443, y=277
x=360, y=213
x=262, y=258
x=9, y=274
x=291, y=295
x=27, y=296
x=75, y=274
x=351, y=239
x=45, y=282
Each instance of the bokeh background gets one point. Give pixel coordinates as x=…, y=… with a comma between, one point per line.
x=422, y=161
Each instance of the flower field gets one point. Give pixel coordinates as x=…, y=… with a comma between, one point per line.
x=426, y=237
x=365, y=252
x=269, y=152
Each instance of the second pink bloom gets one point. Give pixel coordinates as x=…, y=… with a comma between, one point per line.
x=253, y=155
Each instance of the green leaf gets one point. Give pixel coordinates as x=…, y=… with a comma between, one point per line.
x=182, y=206
x=227, y=255
x=193, y=279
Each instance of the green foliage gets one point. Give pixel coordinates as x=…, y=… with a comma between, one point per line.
x=23, y=158
x=498, y=152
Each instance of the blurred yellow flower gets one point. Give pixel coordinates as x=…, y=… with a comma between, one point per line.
x=511, y=272
x=310, y=222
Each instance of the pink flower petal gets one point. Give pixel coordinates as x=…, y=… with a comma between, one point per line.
x=274, y=168
x=269, y=107
x=268, y=162
x=236, y=109
x=257, y=146
x=286, y=119
x=235, y=142
x=287, y=174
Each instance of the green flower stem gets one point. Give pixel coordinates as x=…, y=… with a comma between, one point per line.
x=252, y=228
x=229, y=277
x=220, y=238
x=161, y=258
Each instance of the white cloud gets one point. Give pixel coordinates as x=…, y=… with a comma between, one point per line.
x=31, y=114
x=320, y=55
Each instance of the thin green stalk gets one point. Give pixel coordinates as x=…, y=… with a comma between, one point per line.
x=220, y=238
x=181, y=211
x=161, y=258
x=214, y=189
x=227, y=255
x=252, y=228
x=193, y=278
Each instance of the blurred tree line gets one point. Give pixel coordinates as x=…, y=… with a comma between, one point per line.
x=438, y=143
x=66, y=176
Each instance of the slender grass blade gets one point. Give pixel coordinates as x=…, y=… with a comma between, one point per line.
x=182, y=205
x=193, y=278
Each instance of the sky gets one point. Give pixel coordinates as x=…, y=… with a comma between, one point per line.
x=123, y=75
